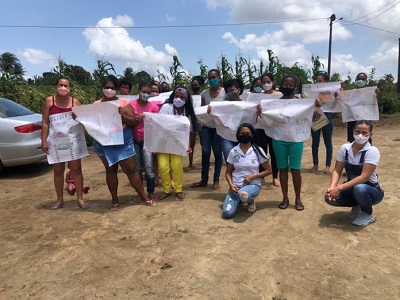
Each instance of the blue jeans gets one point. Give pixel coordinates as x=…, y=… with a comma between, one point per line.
x=327, y=131
x=232, y=199
x=210, y=139
x=144, y=159
x=361, y=194
x=227, y=146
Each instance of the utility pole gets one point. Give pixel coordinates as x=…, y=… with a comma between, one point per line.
x=398, y=71
x=332, y=18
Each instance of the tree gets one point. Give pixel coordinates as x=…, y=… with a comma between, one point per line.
x=10, y=64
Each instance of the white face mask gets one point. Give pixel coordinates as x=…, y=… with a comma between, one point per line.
x=267, y=86
x=178, y=102
x=360, y=139
x=109, y=93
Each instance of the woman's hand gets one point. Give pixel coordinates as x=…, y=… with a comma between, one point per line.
x=317, y=102
x=209, y=109
x=45, y=148
x=234, y=188
x=248, y=179
x=333, y=193
x=121, y=111
x=73, y=116
x=189, y=150
x=258, y=110
x=139, y=118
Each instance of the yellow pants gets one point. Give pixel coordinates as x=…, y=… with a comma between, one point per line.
x=166, y=162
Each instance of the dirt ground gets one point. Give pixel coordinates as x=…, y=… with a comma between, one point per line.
x=184, y=250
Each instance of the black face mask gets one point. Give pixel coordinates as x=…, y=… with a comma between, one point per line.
x=244, y=138
x=195, y=89
x=287, y=91
x=232, y=96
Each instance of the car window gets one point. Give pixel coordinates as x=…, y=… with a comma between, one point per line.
x=10, y=109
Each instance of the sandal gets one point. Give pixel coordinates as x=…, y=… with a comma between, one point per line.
x=85, y=205
x=299, y=205
x=180, y=195
x=216, y=186
x=150, y=202
x=284, y=204
x=164, y=195
x=114, y=207
x=198, y=184
x=57, y=205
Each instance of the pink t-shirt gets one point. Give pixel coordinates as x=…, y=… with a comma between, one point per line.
x=138, y=130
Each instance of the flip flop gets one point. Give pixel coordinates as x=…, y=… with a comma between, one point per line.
x=299, y=206
x=114, y=207
x=216, y=186
x=57, y=205
x=284, y=204
x=180, y=195
x=198, y=184
x=86, y=205
x=164, y=195
x=150, y=202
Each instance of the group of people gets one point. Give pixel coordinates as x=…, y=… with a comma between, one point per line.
x=246, y=157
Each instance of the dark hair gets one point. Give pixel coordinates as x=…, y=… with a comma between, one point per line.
x=323, y=75
x=296, y=81
x=188, y=105
x=199, y=79
x=368, y=123
x=253, y=83
x=113, y=79
x=237, y=83
x=253, y=140
x=157, y=85
x=143, y=84
x=214, y=70
x=362, y=73
x=125, y=81
x=270, y=75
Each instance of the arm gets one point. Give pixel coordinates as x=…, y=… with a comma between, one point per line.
x=267, y=171
x=128, y=115
x=228, y=175
x=45, y=123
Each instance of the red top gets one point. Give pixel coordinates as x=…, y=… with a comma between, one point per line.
x=57, y=110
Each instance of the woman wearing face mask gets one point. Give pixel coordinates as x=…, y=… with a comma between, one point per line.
x=256, y=85
x=327, y=131
x=179, y=103
x=62, y=102
x=265, y=142
x=208, y=136
x=123, y=155
x=361, y=190
x=233, y=89
x=360, y=82
x=143, y=159
x=243, y=172
x=289, y=154
x=196, y=85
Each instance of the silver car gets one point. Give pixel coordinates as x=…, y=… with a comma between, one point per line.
x=20, y=129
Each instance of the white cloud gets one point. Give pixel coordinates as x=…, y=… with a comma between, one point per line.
x=170, y=18
x=387, y=54
x=116, y=44
x=38, y=57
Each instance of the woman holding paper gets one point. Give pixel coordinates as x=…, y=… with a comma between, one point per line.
x=243, y=171
x=361, y=190
x=208, y=136
x=289, y=154
x=265, y=142
x=123, y=155
x=327, y=131
x=60, y=103
x=179, y=103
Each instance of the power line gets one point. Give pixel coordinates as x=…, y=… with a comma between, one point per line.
x=382, y=7
x=383, y=30
x=381, y=12
x=160, y=26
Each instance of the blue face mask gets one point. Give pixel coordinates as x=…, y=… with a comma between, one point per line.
x=257, y=89
x=360, y=83
x=213, y=82
x=145, y=97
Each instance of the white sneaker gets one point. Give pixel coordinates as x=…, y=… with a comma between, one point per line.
x=364, y=219
x=355, y=212
x=252, y=207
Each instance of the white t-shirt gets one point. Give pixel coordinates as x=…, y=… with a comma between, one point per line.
x=207, y=98
x=372, y=156
x=245, y=164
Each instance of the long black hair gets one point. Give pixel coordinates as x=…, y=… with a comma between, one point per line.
x=188, y=105
x=253, y=140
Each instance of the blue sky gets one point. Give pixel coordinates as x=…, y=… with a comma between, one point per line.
x=355, y=48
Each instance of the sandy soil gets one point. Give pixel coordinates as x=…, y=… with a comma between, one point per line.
x=184, y=250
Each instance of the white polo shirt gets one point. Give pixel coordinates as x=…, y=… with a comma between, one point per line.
x=372, y=156
x=245, y=164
